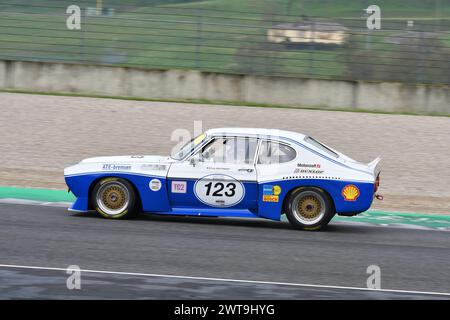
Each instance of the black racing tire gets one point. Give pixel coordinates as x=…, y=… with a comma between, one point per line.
x=309, y=208
x=114, y=198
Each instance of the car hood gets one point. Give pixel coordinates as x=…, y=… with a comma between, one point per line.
x=129, y=159
x=157, y=165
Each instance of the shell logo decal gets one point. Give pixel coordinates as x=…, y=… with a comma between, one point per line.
x=350, y=192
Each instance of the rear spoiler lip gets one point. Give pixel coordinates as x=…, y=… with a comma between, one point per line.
x=373, y=165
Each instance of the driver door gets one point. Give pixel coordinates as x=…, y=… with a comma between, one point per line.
x=221, y=175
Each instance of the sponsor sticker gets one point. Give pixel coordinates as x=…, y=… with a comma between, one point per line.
x=199, y=139
x=311, y=171
x=272, y=190
x=308, y=165
x=270, y=198
x=179, y=186
x=118, y=167
x=155, y=184
x=268, y=189
x=217, y=168
x=276, y=190
x=350, y=192
x=149, y=166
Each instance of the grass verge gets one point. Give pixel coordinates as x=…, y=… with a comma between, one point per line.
x=219, y=102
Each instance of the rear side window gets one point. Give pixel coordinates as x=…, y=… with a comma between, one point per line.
x=321, y=146
x=274, y=152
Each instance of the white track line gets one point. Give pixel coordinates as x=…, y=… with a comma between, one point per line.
x=35, y=202
x=227, y=280
x=20, y=201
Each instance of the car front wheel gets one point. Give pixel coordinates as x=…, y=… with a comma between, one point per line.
x=309, y=208
x=113, y=198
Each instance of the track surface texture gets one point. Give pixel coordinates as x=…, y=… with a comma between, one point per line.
x=31, y=235
x=40, y=135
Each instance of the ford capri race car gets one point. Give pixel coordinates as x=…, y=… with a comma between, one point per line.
x=234, y=172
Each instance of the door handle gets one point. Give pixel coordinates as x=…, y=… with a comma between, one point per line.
x=246, y=169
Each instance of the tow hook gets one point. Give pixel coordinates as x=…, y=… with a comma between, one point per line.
x=379, y=197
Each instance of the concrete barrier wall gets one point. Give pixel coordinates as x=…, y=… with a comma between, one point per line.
x=187, y=84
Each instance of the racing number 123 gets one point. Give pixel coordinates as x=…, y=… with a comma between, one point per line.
x=218, y=188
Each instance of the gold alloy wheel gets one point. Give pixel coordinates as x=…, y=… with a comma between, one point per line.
x=308, y=207
x=113, y=198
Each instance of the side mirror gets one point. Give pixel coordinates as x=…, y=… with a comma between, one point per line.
x=192, y=161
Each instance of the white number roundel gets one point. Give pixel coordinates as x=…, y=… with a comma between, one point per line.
x=218, y=190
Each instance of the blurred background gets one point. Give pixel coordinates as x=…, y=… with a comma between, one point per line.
x=325, y=39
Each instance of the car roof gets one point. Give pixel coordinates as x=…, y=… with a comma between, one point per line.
x=257, y=132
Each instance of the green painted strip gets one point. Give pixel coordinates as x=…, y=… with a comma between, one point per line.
x=46, y=195
x=418, y=219
x=371, y=216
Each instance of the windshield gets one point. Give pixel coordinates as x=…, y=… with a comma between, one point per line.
x=186, y=149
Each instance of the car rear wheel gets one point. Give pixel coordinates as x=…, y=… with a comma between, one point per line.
x=114, y=198
x=309, y=208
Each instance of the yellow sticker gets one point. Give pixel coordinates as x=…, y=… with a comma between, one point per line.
x=276, y=190
x=270, y=198
x=199, y=139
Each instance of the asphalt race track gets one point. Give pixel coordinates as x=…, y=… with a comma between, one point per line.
x=160, y=257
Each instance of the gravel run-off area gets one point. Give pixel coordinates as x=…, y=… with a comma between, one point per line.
x=41, y=134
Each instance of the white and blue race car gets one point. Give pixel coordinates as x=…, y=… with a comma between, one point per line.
x=234, y=172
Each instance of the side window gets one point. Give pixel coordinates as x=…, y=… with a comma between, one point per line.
x=274, y=152
x=229, y=150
